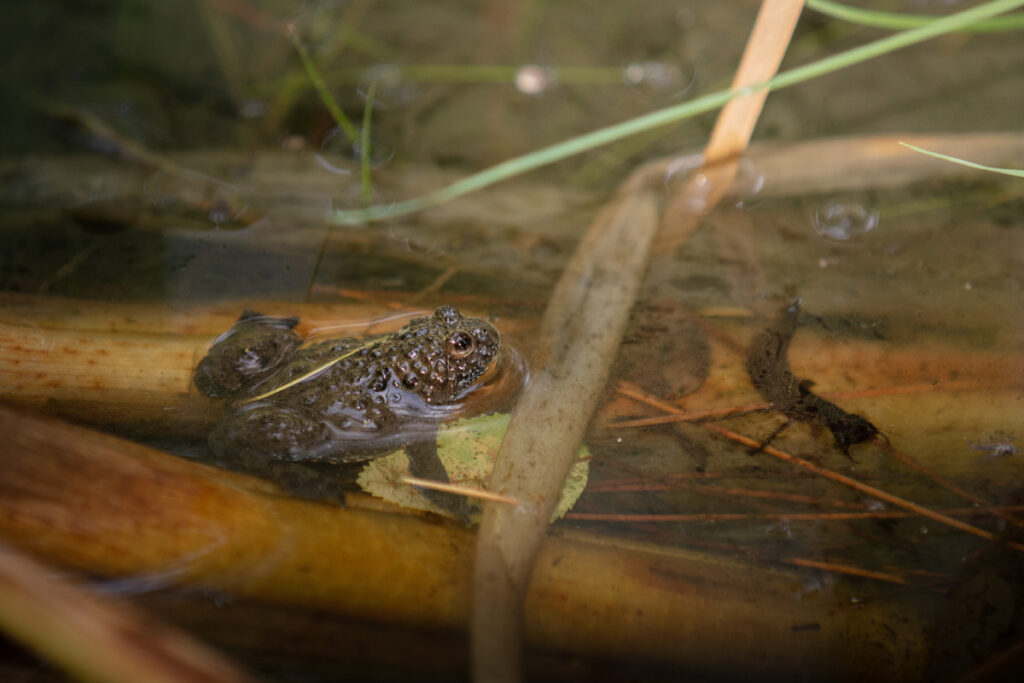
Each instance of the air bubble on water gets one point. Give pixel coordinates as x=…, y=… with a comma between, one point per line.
x=842, y=222
x=690, y=191
x=338, y=143
x=748, y=183
x=681, y=167
x=391, y=89
x=657, y=76
x=380, y=154
x=329, y=167
x=219, y=212
x=533, y=79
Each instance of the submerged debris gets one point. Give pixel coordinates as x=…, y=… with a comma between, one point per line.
x=770, y=373
x=999, y=445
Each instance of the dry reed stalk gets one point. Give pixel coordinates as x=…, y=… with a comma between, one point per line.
x=579, y=337
x=132, y=379
x=577, y=343
x=110, y=507
x=137, y=378
x=97, y=640
x=131, y=365
x=81, y=315
x=297, y=192
x=702, y=191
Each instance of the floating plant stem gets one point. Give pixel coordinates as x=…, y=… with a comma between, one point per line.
x=312, y=373
x=863, y=488
x=364, y=151
x=460, y=490
x=849, y=570
x=963, y=162
x=675, y=114
x=347, y=127
x=899, y=20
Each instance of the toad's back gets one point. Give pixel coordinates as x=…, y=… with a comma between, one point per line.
x=347, y=399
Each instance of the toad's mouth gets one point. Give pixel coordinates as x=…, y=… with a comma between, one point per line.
x=498, y=387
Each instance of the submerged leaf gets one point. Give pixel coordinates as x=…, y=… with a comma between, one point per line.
x=468, y=449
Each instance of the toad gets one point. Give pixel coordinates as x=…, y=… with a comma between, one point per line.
x=343, y=400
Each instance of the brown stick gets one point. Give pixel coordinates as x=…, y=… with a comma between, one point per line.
x=579, y=336
x=860, y=486
x=110, y=507
x=95, y=640
x=132, y=366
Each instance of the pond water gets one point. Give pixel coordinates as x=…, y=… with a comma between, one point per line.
x=806, y=461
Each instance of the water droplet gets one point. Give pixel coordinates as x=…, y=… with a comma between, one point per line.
x=391, y=90
x=844, y=222
x=533, y=79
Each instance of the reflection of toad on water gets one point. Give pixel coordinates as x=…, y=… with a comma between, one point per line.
x=343, y=400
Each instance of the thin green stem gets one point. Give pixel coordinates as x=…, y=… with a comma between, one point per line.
x=674, y=114
x=963, y=162
x=347, y=127
x=896, y=21
x=364, y=152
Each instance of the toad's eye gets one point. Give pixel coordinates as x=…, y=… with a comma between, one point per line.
x=460, y=344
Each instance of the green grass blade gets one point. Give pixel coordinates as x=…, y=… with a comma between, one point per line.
x=897, y=21
x=347, y=127
x=364, y=153
x=963, y=162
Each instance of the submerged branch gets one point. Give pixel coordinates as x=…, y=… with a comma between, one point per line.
x=578, y=340
x=95, y=640
x=113, y=508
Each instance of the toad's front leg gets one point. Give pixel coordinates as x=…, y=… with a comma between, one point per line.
x=425, y=463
